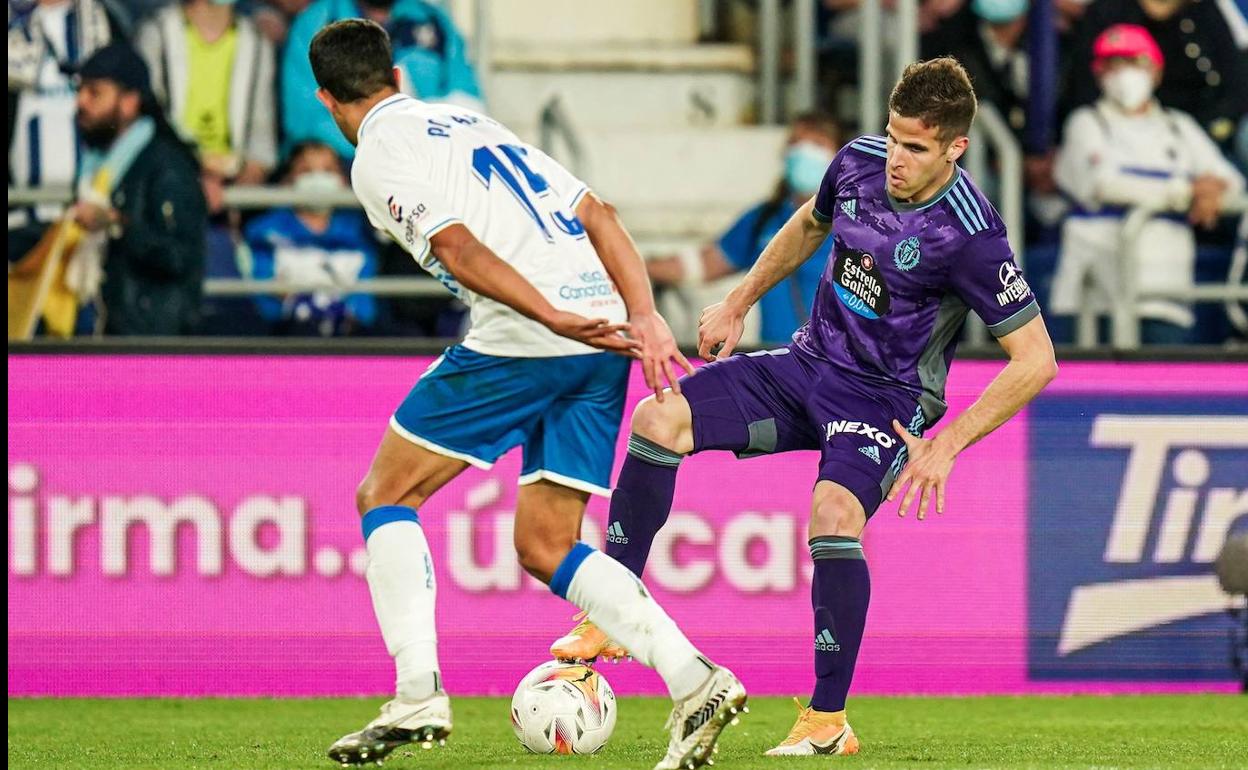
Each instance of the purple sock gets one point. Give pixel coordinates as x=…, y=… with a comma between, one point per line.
x=840, y=593
x=641, y=501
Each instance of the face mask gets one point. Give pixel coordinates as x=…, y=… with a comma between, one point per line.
x=998, y=11
x=318, y=182
x=1129, y=87
x=805, y=163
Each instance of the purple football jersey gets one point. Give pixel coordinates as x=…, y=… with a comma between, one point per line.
x=902, y=277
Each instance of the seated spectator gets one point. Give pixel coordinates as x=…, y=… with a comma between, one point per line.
x=138, y=201
x=317, y=246
x=427, y=49
x=1205, y=72
x=214, y=73
x=813, y=142
x=48, y=40
x=1127, y=150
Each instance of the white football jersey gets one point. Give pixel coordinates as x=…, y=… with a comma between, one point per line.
x=420, y=168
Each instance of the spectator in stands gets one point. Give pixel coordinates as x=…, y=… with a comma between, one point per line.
x=813, y=141
x=274, y=17
x=213, y=72
x=428, y=50
x=1205, y=72
x=1127, y=150
x=48, y=40
x=138, y=200
x=989, y=38
x=314, y=245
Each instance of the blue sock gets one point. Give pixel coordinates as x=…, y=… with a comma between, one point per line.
x=840, y=593
x=641, y=501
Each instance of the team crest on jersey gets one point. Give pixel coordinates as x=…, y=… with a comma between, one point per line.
x=906, y=255
x=859, y=283
x=396, y=210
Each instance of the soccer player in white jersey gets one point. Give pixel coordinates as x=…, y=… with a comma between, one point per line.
x=551, y=279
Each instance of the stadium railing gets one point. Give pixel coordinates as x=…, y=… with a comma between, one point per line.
x=1125, y=317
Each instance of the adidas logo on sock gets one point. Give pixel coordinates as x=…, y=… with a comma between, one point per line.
x=825, y=642
x=850, y=207
x=871, y=451
x=615, y=534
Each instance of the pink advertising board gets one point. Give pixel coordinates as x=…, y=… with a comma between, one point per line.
x=184, y=525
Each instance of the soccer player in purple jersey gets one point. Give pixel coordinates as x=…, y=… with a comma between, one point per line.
x=916, y=246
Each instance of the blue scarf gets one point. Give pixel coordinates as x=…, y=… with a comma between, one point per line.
x=100, y=171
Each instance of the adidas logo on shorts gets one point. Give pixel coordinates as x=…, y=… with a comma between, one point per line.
x=615, y=534
x=825, y=642
x=871, y=451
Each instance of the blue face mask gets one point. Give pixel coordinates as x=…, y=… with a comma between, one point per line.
x=998, y=11
x=805, y=163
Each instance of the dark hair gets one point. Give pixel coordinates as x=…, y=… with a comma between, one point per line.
x=351, y=59
x=937, y=92
x=283, y=169
x=823, y=122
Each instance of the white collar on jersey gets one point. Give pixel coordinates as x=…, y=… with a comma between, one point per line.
x=378, y=107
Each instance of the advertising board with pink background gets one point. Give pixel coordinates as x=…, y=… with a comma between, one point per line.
x=185, y=525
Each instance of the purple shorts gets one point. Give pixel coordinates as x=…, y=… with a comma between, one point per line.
x=781, y=400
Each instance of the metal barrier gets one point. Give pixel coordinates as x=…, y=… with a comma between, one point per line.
x=804, y=58
x=905, y=39
x=1125, y=315
x=553, y=121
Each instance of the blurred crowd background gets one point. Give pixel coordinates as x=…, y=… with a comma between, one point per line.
x=172, y=173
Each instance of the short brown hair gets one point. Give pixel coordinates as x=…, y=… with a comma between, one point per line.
x=351, y=59
x=937, y=92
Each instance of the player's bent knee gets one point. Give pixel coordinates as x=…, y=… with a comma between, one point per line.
x=667, y=424
x=837, y=514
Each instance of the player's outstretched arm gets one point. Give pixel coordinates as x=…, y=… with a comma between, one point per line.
x=1031, y=367
x=623, y=262
x=479, y=269
x=721, y=324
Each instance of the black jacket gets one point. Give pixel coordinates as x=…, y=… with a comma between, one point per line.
x=154, y=266
x=1204, y=76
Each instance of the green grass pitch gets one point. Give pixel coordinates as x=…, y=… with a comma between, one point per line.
x=1205, y=732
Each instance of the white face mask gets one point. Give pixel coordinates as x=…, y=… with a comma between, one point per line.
x=318, y=182
x=1129, y=87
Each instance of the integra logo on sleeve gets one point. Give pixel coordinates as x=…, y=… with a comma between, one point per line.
x=859, y=283
x=1014, y=286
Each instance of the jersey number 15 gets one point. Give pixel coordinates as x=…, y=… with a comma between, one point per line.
x=506, y=163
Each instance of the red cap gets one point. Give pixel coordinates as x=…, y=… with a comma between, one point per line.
x=1130, y=41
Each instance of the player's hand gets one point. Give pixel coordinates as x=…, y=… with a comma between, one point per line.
x=719, y=330
x=658, y=351
x=927, y=473
x=595, y=332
